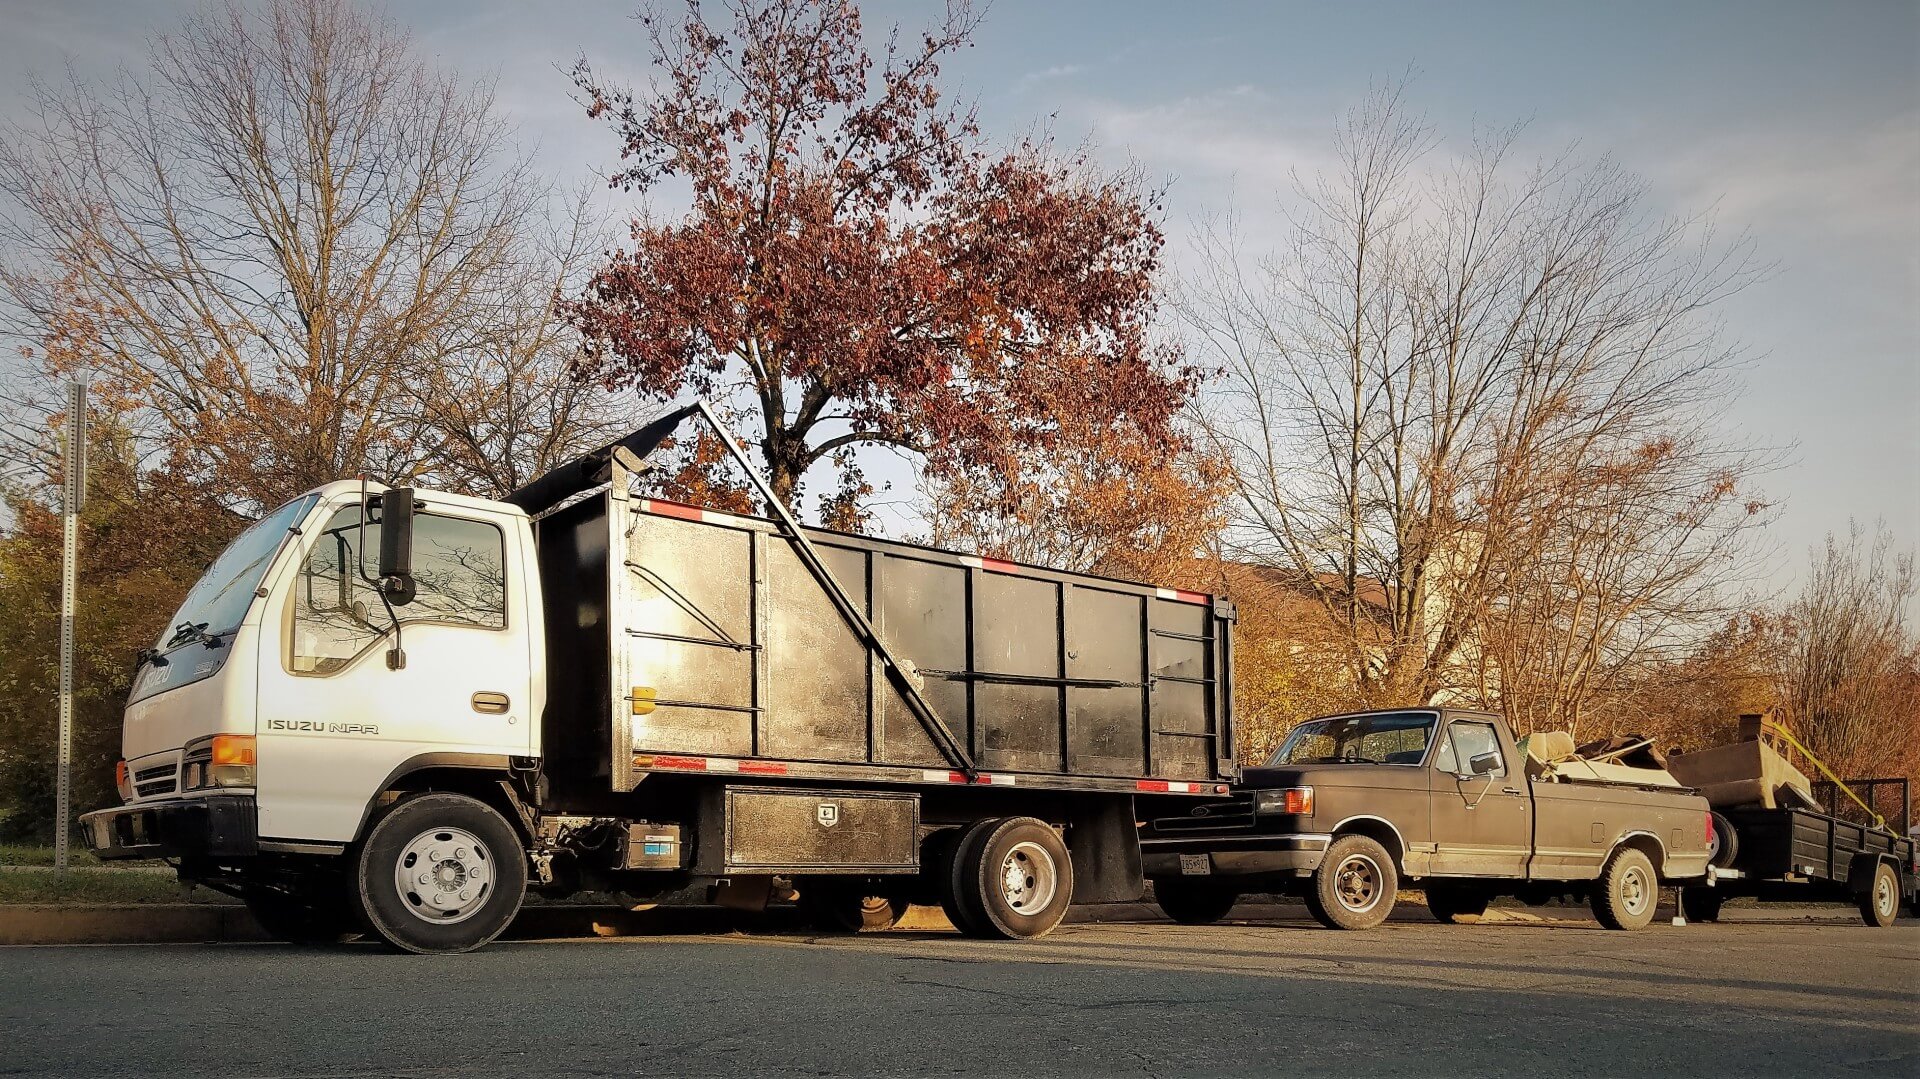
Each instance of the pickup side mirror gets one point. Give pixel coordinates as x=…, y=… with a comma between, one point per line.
x=1483, y=764
x=396, y=545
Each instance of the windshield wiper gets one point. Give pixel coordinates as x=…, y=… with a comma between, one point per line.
x=146, y=656
x=192, y=631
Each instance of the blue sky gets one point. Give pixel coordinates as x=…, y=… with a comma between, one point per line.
x=1797, y=123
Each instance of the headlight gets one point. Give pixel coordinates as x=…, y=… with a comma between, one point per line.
x=1291, y=801
x=232, y=760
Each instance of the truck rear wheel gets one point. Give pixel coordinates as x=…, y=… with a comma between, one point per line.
x=439, y=873
x=1457, y=904
x=1880, y=903
x=1012, y=879
x=1194, y=901
x=1355, y=886
x=1627, y=892
x=1701, y=904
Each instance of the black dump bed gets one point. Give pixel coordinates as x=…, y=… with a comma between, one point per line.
x=682, y=639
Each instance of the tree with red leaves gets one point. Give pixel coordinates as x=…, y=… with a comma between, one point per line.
x=855, y=268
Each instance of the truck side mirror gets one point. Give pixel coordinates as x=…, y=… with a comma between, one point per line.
x=1484, y=763
x=396, y=545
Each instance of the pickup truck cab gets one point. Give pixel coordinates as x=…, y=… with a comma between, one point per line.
x=1350, y=806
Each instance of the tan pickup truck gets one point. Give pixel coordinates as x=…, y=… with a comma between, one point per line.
x=1352, y=806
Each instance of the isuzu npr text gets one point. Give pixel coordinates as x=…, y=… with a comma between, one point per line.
x=398, y=709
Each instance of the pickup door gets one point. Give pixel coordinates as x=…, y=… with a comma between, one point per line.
x=1482, y=823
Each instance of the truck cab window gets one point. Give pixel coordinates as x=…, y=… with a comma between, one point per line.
x=1464, y=742
x=459, y=569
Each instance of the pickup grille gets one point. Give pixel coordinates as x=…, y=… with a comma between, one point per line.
x=1230, y=815
x=155, y=781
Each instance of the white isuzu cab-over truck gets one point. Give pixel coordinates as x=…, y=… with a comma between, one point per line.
x=394, y=710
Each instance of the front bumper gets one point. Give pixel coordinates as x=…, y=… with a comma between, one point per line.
x=1295, y=854
x=213, y=826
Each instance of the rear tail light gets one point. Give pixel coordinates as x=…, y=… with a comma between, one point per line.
x=1709, y=829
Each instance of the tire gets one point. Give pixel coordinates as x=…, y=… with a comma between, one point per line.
x=1013, y=879
x=473, y=862
x=1355, y=886
x=1194, y=901
x=1701, y=904
x=1880, y=903
x=838, y=907
x=955, y=898
x=1726, y=843
x=1627, y=892
x=1457, y=904
x=319, y=918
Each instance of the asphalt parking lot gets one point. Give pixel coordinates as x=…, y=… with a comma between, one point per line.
x=1275, y=996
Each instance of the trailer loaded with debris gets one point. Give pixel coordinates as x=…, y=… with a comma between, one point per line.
x=1774, y=839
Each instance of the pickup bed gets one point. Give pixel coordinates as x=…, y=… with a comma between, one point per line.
x=1353, y=805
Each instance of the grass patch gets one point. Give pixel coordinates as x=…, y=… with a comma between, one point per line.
x=77, y=855
x=34, y=885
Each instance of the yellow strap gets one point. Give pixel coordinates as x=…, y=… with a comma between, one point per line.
x=1771, y=727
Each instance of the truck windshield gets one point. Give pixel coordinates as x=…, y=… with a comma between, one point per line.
x=219, y=601
x=1381, y=738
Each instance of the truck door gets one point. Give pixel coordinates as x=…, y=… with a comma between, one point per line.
x=335, y=719
x=1481, y=825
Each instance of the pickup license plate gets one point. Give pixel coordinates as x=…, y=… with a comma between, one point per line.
x=1195, y=865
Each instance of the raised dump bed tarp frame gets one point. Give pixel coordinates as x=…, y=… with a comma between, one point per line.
x=708, y=642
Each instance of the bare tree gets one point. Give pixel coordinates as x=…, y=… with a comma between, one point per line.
x=294, y=251
x=1849, y=677
x=1467, y=408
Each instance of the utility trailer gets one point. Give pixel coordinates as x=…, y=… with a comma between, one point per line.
x=1793, y=853
x=580, y=687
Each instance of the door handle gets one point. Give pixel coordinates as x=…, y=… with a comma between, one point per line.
x=1510, y=790
x=492, y=704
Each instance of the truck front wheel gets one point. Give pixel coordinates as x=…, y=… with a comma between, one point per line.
x=1012, y=878
x=439, y=873
x=1194, y=901
x=1626, y=893
x=1355, y=886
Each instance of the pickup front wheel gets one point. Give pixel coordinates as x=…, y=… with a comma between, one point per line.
x=439, y=873
x=1355, y=886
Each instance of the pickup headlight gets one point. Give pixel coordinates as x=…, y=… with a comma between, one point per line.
x=1290, y=801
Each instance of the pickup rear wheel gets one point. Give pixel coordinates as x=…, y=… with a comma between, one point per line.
x=1355, y=886
x=1627, y=892
x=1880, y=903
x=1456, y=904
x=1012, y=878
x=439, y=873
x=1198, y=901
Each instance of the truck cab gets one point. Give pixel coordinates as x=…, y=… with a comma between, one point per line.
x=300, y=677
x=1351, y=805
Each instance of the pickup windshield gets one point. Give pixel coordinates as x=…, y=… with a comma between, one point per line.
x=1391, y=738
x=219, y=601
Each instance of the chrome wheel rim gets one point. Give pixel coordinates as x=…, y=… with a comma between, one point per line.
x=1634, y=892
x=1356, y=883
x=1028, y=878
x=444, y=876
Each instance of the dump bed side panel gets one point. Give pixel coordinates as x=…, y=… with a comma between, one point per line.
x=743, y=655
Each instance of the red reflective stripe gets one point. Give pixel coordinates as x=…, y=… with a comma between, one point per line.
x=698, y=764
x=995, y=565
x=764, y=768
x=1152, y=785
x=674, y=509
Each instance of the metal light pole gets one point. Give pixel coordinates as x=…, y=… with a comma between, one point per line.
x=73, y=495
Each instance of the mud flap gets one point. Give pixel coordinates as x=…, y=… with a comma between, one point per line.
x=1104, y=843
